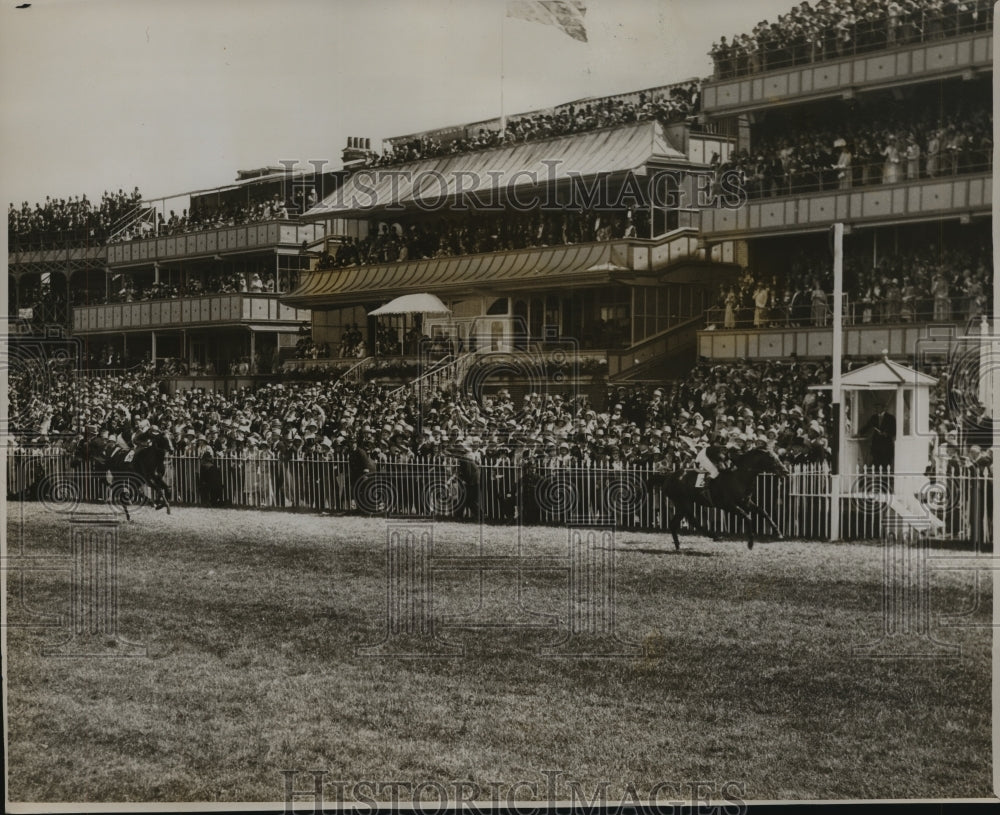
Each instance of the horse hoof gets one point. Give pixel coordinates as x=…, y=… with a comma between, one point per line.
x=750, y=545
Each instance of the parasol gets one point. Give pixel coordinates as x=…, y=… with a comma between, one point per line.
x=412, y=304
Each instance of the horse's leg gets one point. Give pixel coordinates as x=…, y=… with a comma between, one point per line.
x=696, y=524
x=737, y=509
x=757, y=508
x=675, y=525
x=163, y=492
x=124, y=502
x=687, y=510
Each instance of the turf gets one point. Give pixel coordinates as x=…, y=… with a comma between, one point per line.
x=740, y=668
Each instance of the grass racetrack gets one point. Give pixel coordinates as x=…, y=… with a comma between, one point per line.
x=743, y=671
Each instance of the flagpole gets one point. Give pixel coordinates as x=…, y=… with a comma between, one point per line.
x=837, y=354
x=503, y=116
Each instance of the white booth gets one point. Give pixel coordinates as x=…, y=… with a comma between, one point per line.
x=905, y=393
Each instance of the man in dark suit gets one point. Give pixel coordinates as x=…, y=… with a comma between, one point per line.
x=883, y=442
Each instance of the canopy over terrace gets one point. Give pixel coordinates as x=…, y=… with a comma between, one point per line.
x=590, y=263
x=430, y=183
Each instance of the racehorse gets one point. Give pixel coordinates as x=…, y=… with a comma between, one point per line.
x=127, y=477
x=730, y=491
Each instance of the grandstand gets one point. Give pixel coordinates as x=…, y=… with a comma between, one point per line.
x=640, y=234
x=189, y=284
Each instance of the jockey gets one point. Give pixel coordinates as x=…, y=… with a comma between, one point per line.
x=141, y=437
x=709, y=460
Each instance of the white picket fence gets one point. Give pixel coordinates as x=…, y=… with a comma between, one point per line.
x=508, y=492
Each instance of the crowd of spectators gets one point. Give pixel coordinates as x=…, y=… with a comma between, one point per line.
x=250, y=439
x=861, y=151
x=920, y=283
x=740, y=406
x=74, y=221
x=205, y=214
x=42, y=302
x=474, y=232
x=130, y=290
x=678, y=103
x=827, y=29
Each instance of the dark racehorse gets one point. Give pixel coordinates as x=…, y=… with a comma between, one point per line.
x=731, y=491
x=127, y=477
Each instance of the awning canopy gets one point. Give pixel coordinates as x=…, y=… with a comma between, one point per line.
x=619, y=149
x=580, y=264
x=412, y=304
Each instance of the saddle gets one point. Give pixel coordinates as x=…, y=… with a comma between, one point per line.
x=117, y=457
x=694, y=478
x=698, y=480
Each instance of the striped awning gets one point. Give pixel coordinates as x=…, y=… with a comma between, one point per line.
x=620, y=149
x=588, y=263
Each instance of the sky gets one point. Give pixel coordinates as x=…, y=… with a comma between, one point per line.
x=177, y=95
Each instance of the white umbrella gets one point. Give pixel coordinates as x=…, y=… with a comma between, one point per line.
x=412, y=304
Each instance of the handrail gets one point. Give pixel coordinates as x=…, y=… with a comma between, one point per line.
x=860, y=312
x=135, y=215
x=865, y=36
x=806, y=180
x=620, y=362
x=446, y=368
x=356, y=371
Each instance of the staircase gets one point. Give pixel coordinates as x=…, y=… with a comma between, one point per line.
x=139, y=222
x=666, y=355
x=356, y=373
x=448, y=371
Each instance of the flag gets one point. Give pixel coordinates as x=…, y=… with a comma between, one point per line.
x=564, y=14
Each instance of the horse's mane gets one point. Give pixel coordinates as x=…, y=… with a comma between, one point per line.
x=745, y=459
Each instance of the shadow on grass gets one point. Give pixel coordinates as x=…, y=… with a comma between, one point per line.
x=671, y=551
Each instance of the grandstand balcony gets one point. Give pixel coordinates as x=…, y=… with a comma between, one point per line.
x=208, y=310
x=962, y=55
x=963, y=196
x=900, y=340
x=606, y=296
x=678, y=256
x=30, y=253
x=208, y=335
x=283, y=236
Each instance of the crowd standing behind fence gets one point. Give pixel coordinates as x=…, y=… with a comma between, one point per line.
x=503, y=491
